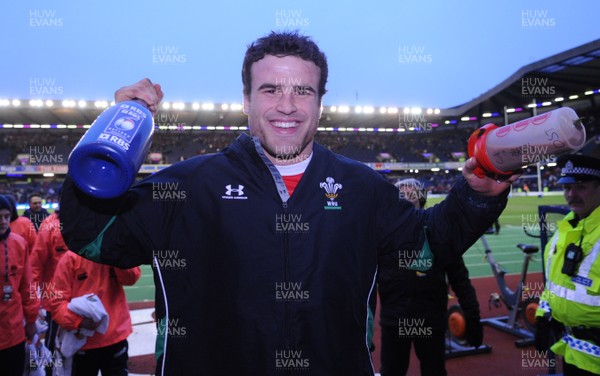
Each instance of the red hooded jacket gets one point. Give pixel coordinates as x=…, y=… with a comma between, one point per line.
x=76, y=276
x=23, y=303
x=49, y=248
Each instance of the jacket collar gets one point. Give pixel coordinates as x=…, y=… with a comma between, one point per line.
x=590, y=223
x=244, y=148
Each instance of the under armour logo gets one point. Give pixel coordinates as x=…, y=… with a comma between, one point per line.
x=239, y=190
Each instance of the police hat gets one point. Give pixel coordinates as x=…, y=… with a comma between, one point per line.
x=576, y=168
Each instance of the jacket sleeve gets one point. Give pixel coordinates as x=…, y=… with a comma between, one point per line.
x=61, y=293
x=29, y=299
x=128, y=277
x=30, y=234
x=458, y=277
x=543, y=305
x=39, y=256
x=121, y=232
x=461, y=219
x=452, y=226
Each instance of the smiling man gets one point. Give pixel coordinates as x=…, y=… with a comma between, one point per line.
x=284, y=107
x=36, y=213
x=571, y=299
x=581, y=191
x=278, y=236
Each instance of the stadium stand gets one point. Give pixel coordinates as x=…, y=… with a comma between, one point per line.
x=369, y=147
x=413, y=143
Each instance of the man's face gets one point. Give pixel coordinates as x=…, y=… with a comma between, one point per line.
x=582, y=198
x=4, y=220
x=283, y=107
x=35, y=203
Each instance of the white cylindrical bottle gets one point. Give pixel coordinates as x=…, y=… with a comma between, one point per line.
x=504, y=150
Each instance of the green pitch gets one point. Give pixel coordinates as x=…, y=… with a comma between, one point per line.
x=520, y=212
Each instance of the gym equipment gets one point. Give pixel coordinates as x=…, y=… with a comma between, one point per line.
x=456, y=342
x=520, y=321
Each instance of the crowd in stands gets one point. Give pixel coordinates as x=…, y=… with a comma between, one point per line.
x=441, y=182
x=442, y=144
x=438, y=144
x=431, y=146
x=49, y=189
x=434, y=145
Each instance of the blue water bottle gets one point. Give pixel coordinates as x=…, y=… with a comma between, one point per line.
x=107, y=158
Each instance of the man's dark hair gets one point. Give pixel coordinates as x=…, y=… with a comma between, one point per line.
x=280, y=44
x=35, y=194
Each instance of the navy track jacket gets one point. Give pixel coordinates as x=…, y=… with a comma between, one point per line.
x=249, y=282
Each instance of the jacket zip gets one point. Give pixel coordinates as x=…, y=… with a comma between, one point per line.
x=284, y=197
x=287, y=333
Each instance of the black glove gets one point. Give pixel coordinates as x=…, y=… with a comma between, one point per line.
x=542, y=333
x=474, y=333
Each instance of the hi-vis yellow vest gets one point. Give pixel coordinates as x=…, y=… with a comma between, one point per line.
x=575, y=300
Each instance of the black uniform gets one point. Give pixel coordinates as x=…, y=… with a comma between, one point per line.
x=270, y=285
x=413, y=310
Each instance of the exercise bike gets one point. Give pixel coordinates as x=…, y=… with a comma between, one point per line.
x=457, y=343
x=522, y=307
x=520, y=320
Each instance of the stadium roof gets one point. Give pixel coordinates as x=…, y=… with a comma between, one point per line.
x=575, y=72
x=572, y=72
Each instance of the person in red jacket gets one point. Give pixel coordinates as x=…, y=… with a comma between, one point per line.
x=36, y=213
x=75, y=277
x=48, y=249
x=21, y=225
x=16, y=302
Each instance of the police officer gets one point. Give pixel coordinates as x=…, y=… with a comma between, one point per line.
x=571, y=298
